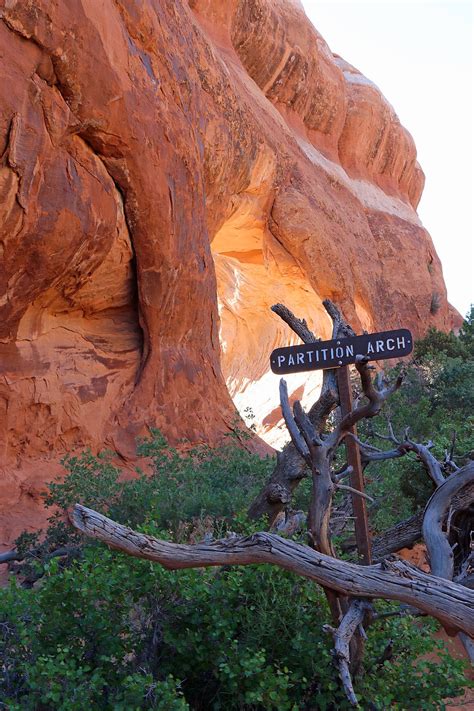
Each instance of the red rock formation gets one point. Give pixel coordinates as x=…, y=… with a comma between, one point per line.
x=148, y=147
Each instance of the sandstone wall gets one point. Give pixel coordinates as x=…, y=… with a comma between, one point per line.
x=168, y=171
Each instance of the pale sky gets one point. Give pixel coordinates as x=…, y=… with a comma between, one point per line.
x=420, y=54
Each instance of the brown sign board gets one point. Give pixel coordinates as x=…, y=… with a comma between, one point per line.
x=343, y=351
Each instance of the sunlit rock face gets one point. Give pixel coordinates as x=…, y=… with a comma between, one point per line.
x=170, y=170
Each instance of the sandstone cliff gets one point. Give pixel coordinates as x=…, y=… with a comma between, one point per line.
x=168, y=171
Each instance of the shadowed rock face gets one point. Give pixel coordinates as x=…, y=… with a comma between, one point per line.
x=169, y=170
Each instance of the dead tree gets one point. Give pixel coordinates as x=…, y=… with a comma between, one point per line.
x=444, y=594
x=290, y=467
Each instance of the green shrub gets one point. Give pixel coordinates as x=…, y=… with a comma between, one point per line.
x=100, y=630
x=107, y=631
x=436, y=400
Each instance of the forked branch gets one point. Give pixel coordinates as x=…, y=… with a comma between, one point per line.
x=291, y=467
x=375, y=399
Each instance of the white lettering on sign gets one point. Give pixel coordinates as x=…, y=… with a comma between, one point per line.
x=291, y=360
x=339, y=352
x=323, y=352
x=300, y=358
x=349, y=351
x=379, y=346
x=370, y=348
x=401, y=342
x=390, y=347
x=281, y=360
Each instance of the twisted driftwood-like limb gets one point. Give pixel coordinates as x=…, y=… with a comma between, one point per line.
x=451, y=604
x=312, y=450
x=290, y=467
x=436, y=540
x=375, y=399
x=342, y=636
x=297, y=438
x=437, y=543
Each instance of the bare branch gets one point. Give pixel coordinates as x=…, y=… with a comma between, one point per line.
x=376, y=399
x=355, y=491
x=341, y=474
x=306, y=427
x=364, y=445
x=369, y=453
x=391, y=434
x=9, y=556
x=342, y=637
x=429, y=461
x=439, y=549
x=431, y=464
x=292, y=428
x=451, y=604
x=14, y=555
x=403, y=611
x=299, y=326
x=340, y=327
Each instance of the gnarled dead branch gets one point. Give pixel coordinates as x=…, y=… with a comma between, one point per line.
x=436, y=540
x=450, y=603
x=342, y=636
x=422, y=451
x=290, y=467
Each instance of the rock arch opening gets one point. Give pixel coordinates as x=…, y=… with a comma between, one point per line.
x=253, y=272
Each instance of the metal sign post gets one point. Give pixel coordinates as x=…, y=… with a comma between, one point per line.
x=338, y=354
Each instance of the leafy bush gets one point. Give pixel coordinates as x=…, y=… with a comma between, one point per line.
x=106, y=631
x=436, y=401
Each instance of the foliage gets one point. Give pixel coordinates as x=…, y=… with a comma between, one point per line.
x=106, y=631
x=178, y=492
x=435, y=402
x=114, y=632
x=98, y=630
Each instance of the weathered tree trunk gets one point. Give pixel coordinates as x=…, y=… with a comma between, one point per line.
x=290, y=467
x=451, y=604
x=436, y=539
x=343, y=637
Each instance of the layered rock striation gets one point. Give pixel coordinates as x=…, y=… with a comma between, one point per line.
x=170, y=170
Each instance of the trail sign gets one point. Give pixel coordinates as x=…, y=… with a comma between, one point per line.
x=339, y=353
x=342, y=351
